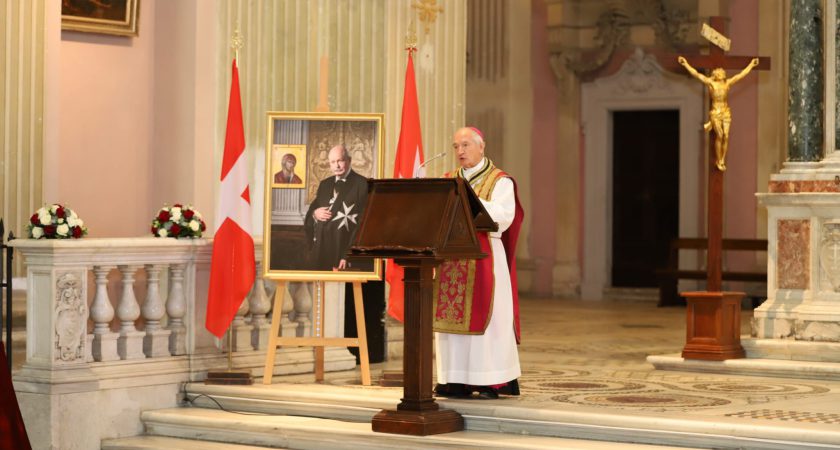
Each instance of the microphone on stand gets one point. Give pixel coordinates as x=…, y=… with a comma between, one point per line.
x=421, y=166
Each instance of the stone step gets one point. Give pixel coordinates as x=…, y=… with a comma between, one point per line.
x=296, y=432
x=170, y=443
x=506, y=417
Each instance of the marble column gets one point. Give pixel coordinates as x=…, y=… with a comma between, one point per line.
x=805, y=94
x=836, y=32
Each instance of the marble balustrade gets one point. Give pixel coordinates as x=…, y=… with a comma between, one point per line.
x=115, y=326
x=164, y=274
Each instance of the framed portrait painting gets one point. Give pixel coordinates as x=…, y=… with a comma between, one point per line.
x=317, y=167
x=117, y=17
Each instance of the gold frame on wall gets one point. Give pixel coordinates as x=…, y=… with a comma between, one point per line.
x=99, y=17
x=286, y=248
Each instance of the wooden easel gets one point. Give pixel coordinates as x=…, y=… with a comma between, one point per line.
x=319, y=341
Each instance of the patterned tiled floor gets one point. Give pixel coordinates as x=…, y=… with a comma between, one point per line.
x=591, y=355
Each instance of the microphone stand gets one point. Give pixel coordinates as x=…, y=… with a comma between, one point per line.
x=421, y=166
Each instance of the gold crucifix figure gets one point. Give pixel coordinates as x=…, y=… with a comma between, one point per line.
x=720, y=117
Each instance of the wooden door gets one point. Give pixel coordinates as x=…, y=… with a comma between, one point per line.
x=646, y=187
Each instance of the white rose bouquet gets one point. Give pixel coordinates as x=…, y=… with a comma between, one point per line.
x=178, y=221
x=56, y=222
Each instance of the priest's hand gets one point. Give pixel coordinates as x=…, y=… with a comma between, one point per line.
x=322, y=214
x=341, y=265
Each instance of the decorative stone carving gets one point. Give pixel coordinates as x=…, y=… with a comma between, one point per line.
x=613, y=31
x=639, y=74
x=830, y=253
x=71, y=314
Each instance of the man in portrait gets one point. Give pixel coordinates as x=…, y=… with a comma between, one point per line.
x=287, y=174
x=333, y=217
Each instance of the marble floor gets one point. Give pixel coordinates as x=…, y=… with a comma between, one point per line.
x=590, y=357
x=585, y=379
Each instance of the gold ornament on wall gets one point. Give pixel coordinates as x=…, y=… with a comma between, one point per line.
x=427, y=10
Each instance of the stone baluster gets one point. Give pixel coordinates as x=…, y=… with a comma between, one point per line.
x=156, y=341
x=104, y=346
x=288, y=327
x=176, y=308
x=260, y=305
x=130, y=342
x=241, y=330
x=302, y=298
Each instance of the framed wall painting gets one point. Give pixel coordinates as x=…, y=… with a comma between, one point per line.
x=317, y=166
x=116, y=17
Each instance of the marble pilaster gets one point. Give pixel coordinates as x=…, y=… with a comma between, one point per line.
x=836, y=33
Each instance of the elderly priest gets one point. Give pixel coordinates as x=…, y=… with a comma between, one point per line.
x=477, y=306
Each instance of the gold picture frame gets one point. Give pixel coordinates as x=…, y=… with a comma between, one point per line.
x=284, y=166
x=115, y=17
x=298, y=243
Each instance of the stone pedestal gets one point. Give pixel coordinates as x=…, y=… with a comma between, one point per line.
x=242, y=338
x=105, y=347
x=156, y=343
x=259, y=336
x=178, y=341
x=803, y=273
x=130, y=345
x=713, y=325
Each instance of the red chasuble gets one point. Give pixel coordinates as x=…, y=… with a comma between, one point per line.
x=12, y=432
x=463, y=290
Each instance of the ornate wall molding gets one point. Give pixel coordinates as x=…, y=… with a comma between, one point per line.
x=614, y=25
x=639, y=74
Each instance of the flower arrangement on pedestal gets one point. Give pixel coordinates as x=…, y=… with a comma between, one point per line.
x=56, y=222
x=178, y=221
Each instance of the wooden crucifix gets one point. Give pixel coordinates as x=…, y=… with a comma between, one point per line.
x=714, y=317
x=716, y=61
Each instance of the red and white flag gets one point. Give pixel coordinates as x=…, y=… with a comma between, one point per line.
x=232, y=268
x=409, y=158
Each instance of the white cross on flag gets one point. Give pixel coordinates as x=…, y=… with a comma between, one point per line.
x=232, y=268
x=409, y=157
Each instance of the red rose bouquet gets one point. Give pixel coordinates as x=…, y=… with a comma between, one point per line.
x=178, y=221
x=56, y=222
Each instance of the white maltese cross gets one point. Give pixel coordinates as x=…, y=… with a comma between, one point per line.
x=345, y=215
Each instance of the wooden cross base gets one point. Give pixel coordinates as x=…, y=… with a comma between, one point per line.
x=713, y=325
x=418, y=423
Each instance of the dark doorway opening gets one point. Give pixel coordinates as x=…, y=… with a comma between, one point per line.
x=646, y=186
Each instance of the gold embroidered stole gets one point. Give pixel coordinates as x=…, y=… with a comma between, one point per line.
x=463, y=306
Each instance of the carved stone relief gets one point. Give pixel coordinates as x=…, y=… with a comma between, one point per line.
x=669, y=23
x=830, y=255
x=71, y=314
x=638, y=75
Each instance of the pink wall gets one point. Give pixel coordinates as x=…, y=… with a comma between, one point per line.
x=741, y=177
x=101, y=167
x=135, y=118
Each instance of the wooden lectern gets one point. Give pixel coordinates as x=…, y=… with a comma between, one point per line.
x=420, y=223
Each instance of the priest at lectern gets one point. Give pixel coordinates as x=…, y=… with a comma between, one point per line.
x=476, y=301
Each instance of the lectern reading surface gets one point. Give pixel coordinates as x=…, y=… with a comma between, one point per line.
x=420, y=223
